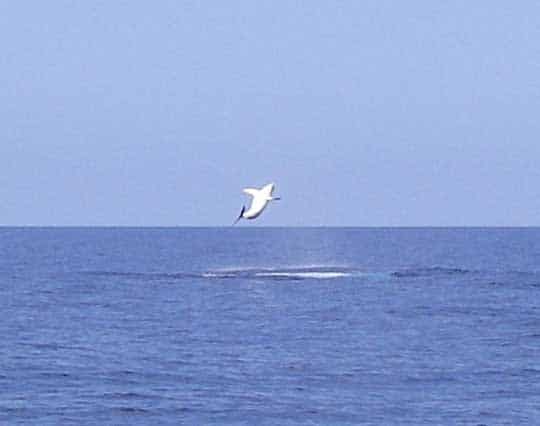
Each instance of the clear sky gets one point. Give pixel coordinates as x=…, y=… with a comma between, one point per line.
x=362, y=112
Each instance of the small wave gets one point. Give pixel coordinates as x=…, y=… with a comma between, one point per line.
x=427, y=272
x=142, y=275
x=131, y=410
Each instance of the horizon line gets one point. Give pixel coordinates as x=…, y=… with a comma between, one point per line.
x=274, y=226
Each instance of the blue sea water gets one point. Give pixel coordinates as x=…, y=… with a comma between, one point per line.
x=270, y=326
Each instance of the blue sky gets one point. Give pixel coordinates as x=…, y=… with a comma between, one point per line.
x=371, y=113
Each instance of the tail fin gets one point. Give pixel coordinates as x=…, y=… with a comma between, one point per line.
x=240, y=215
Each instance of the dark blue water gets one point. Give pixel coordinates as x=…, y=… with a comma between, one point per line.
x=270, y=326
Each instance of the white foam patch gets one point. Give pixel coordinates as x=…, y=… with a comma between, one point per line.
x=218, y=275
x=307, y=274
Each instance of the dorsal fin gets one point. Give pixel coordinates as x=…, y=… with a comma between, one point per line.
x=240, y=215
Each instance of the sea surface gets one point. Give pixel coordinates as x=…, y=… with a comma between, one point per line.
x=270, y=326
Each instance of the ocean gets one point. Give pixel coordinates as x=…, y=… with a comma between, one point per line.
x=270, y=326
